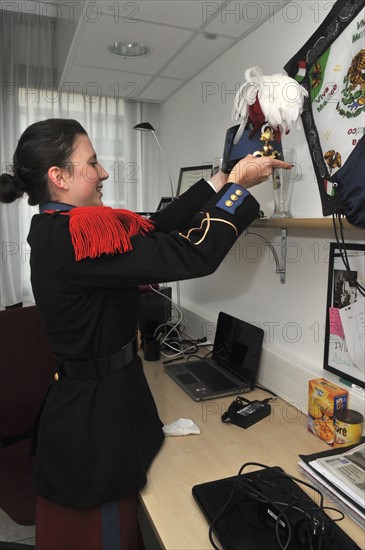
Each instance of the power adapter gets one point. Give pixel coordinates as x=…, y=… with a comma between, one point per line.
x=245, y=413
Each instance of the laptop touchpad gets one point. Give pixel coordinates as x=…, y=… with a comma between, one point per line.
x=187, y=378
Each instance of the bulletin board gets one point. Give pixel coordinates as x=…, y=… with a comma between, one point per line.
x=345, y=320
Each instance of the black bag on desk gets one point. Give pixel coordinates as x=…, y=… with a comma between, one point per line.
x=249, y=522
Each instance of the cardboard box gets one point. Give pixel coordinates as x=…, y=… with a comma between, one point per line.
x=324, y=400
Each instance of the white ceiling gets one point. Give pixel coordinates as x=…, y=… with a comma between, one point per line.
x=184, y=37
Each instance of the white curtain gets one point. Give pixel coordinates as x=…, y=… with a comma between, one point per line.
x=27, y=95
x=144, y=158
x=22, y=39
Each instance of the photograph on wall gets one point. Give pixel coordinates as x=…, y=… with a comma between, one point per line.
x=345, y=319
x=190, y=175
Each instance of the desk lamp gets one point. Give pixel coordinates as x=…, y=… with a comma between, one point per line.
x=147, y=127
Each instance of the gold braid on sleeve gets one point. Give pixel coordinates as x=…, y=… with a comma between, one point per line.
x=207, y=220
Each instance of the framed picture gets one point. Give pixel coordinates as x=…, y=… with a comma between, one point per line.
x=344, y=353
x=191, y=174
x=164, y=201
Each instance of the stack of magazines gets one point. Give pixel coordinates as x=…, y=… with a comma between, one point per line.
x=341, y=475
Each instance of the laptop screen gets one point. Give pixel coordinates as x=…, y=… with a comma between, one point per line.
x=237, y=346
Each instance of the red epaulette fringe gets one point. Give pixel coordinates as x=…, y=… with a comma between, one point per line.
x=97, y=230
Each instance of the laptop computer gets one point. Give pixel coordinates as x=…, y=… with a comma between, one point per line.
x=234, y=365
x=243, y=519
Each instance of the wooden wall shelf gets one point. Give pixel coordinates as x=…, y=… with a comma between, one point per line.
x=292, y=223
x=302, y=223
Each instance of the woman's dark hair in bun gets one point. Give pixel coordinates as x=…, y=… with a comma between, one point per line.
x=42, y=145
x=10, y=189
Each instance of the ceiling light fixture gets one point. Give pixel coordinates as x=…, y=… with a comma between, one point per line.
x=128, y=48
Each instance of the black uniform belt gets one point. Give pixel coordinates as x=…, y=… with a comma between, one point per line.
x=96, y=368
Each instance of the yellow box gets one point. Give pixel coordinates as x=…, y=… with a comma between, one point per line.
x=324, y=400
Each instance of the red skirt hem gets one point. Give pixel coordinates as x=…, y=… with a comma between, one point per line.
x=111, y=526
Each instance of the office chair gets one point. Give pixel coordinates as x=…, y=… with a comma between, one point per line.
x=27, y=366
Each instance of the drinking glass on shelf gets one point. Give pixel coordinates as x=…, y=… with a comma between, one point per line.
x=217, y=165
x=283, y=183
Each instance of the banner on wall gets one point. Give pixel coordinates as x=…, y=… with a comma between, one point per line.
x=331, y=66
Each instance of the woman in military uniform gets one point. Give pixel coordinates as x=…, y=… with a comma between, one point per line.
x=99, y=430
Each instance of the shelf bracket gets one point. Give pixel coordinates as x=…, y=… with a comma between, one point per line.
x=280, y=259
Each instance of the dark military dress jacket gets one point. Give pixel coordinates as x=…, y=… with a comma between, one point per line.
x=96, y=437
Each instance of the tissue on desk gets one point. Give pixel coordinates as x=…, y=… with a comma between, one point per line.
x=182, y=426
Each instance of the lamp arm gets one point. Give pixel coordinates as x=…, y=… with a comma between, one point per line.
x=166, y=163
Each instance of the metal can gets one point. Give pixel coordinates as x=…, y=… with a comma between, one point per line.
x=348, y=428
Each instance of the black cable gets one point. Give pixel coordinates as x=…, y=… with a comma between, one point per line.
x=342, y=515
x=343, y=252
x=302, y=508
x=201, y=357
x=180, y=347
x=344, y=255
x=265, y=389
x=358, y=285
x=184, y=349
x=253, y=492
x=314, y=518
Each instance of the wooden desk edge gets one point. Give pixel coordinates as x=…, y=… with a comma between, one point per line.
x=159, y=499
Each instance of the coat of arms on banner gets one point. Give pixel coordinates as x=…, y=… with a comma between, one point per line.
x=331, y=66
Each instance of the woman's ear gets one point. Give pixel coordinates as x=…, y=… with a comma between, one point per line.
x=56, y=176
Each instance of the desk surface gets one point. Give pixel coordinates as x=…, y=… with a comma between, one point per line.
x=218, y=452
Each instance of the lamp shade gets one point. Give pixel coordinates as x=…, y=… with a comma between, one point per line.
x=147, y=127
x=144, y=127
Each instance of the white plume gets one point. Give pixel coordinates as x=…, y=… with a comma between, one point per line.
x=281, y=99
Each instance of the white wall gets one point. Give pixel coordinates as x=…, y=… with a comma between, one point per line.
x=193, y=125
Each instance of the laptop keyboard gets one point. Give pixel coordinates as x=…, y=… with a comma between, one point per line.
x=210, y=376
